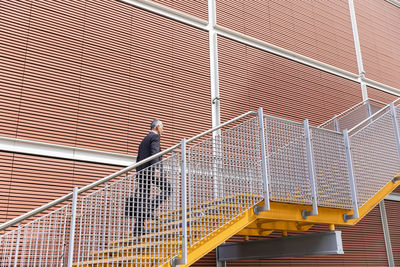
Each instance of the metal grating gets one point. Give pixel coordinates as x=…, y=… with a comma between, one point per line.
x=287, y=161
x=332, y=179
x=375, y=156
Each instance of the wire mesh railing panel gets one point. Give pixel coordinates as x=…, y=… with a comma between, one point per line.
x=42, y=242
x=353, y=116
x=374, y=155
x=330, y=167
x=224, y=178
x=134, y=221
x=287, y=161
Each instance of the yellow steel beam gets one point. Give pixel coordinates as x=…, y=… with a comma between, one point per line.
x=292, y=212
x=218, y=237
x=264, y=227
x=375, y=200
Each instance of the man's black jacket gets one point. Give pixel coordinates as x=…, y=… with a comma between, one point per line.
x=149, y=146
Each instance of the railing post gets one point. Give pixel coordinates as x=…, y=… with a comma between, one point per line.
x=335, y=123
x=17, y=245
x=314, y=211
x=352, y=183
x=173, y=179
x=258, y=209
x=72, y=227
x=396, y=128
x=183, y=260
x=369, y=111
x=104, y=215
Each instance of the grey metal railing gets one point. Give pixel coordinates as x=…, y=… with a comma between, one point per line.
x=352, y=116
x=152, y=216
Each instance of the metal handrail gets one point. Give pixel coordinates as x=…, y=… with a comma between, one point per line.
x=349, y=109
x=116, y=174
x=372, y=116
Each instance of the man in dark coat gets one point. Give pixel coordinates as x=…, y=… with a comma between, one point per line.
x=141, y=206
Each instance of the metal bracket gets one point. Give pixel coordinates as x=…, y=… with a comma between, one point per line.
x=395, y=179
x=215, y=99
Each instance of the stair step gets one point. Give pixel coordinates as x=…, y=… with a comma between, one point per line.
x=134, y=260
x=211, y=203
x=131, y=249
x=154, y=225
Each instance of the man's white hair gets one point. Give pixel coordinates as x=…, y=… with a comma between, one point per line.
x=155, y=123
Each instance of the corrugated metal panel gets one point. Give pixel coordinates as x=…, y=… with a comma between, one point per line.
x=317, y=29
x=393, y=216
x=378, y=27
x=251, y=78
x=93, y=74
x=363, y=245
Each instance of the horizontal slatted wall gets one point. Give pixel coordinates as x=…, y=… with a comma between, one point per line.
x=196, y=8
x=380, y=96
x=363, y=245
x=94, y=74
x=251, y=78
x=28, y=182
x=378, y=27
x=393, y=217
x=317, y=29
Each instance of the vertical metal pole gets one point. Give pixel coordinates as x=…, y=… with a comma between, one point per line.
x=216, y=159
x=72, y=228
x=173, y=179
x=357, y=46
x=352, y=183
x=183, y=260
x=369, y=112
x=258, y=209
x=335, y=123
x=104, y=214
x=17, y=245
x=396, y=127
x=213, y=49
x=314, y=211
x=214, y=82
x=386, y=234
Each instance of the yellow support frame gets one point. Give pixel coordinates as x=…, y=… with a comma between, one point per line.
x=284, y=217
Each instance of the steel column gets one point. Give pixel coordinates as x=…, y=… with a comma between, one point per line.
x=352, y=183
x=183, y=260
x=213, y=49
x=396, y=127
x=311, y=173
x=357, y=46
x=72, y=228
x=386, y=234
x=258, y=209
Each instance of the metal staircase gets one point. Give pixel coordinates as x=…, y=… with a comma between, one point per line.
x=250, y=176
